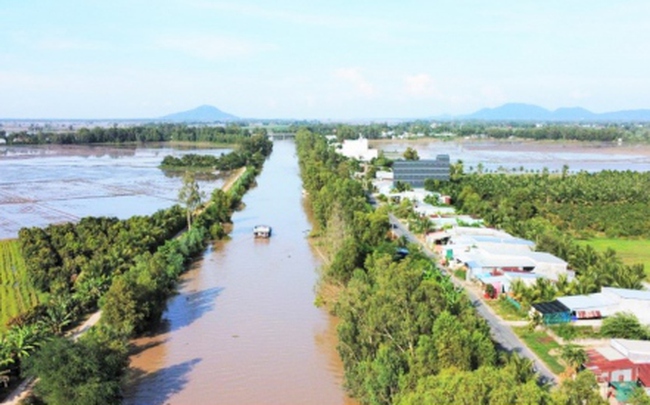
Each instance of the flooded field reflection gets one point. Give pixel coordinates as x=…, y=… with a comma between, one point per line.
x=51, y=184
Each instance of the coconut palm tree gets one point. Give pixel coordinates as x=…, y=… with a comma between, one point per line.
x=574, y=357
x=522, y=367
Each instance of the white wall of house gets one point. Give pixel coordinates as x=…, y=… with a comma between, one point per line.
x=640, y=308
x=621, y=375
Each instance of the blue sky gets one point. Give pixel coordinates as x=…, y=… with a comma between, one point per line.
x=325, y=59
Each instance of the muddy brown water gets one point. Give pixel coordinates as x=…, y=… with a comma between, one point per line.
x=243, y=328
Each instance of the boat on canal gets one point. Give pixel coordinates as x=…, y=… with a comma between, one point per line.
x=262, y=231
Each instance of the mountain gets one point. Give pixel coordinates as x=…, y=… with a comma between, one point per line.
x=530, y=112
x=204, y=113
x=511, y=111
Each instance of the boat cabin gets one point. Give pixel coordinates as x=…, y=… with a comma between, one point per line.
x=262, y=231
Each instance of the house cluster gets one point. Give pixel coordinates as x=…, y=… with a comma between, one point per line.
x=607, y=302
x=490, y=256
x=620, y=368
x=497, y=258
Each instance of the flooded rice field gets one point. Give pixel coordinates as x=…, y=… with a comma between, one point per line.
x=41, y=185
x=588, y=156
x=243, y=328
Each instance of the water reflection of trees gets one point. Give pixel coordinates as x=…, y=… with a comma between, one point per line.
x=166, y=381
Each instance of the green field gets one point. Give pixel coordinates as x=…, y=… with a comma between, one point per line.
x=542, y=344
x=631, y=251
x=16, y=295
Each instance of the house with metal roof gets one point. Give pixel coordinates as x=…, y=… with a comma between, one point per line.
x=489, y=252
x=609, y=302
x=623, y=362
x=592, y=306
x=553, y=312
x=609, y=365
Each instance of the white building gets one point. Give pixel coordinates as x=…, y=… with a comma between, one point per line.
x=358, y=149
x=608, y=302
x=491, y=253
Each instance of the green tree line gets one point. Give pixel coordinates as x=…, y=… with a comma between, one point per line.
x=497, y=130
x=251, y=150
x=138, y=133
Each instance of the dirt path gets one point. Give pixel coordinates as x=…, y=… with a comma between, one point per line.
x=233, y=178
x=25, y=388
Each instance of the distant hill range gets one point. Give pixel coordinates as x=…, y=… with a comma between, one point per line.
x=204, y=113
x=530, y=112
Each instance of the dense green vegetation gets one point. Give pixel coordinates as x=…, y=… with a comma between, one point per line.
x=251, y=151
x=631, y=251
x=554, y=210
x=87, y=372
x=406, y=334
x=624, y=326
x=142, y=133
x=599, y=132
x=498, y=130
x=16, y=292
x=127, y=267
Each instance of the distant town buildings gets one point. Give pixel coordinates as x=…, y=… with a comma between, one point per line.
x=415, y=172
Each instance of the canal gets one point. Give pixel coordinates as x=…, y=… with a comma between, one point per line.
x=243, y=328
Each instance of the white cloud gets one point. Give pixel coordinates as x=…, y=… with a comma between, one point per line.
x=354, y=77
x=421, y=86
x=213, y=47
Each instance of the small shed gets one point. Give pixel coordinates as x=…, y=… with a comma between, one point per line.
x=621, y=390
x=608, y=365
x=553, y=312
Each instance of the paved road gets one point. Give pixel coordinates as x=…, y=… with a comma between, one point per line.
x=501, y=332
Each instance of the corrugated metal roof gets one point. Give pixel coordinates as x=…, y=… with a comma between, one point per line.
x=544, y=257
x=517, y=274
x=628, y=294
x=644, y=374
x=610, y=353
x=587, y=302
x=637, y=351
x=553, y=307
x=598, y=363
x=497, y=239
